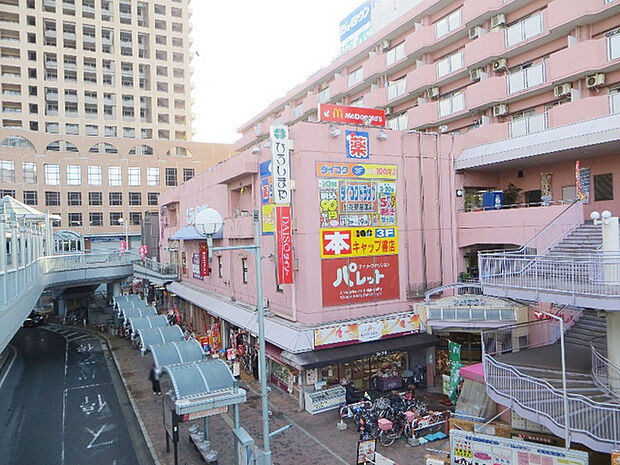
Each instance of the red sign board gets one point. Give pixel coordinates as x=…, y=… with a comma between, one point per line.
x=351, y=115
x=204, y=259
x=284, y=248
x=359, y=279
x=143, y=250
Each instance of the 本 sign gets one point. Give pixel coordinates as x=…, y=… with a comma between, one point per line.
x=358, y=242
x=281, y=165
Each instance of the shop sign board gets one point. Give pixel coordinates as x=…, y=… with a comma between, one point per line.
x=366, y=451
x=266, y=197
x=196, y=266
x=204, y=413
x=204, y=259
x=358, y=242
x=455, y=369
x=143, y=251
x=351, y=115
x=468, y=448
x=284, y=246
x=615, y=457
x=357, y=144
x=281, y=164
x=356, y=170
x=359, y=280
x=352, y=333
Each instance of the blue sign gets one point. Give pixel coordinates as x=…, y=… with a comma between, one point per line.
x=357, y=145
x=355, y=20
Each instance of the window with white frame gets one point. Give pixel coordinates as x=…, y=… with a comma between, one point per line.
x=525, y=77
x=355, y=77
x=614, y=100
x=7, y=171
x=115, y=177
x=299, y=110
x=448, y=24
x=450, y=64
x=244, y=270
x=94, y=176
x=133, y=173
x=613, y=45
x=397, y=88
x=29, y=173
x=358, y=102
x=324, y=95
x=451, y=104
x=527, y=122
x=399, y=122
x=524, y=29
x=52, y=174
x=152, y=176
x=74, y=175
x=395, y=54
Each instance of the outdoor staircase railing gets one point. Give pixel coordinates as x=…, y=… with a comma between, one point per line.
x=605, y=374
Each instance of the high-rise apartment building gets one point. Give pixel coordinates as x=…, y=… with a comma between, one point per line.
x=97, y=67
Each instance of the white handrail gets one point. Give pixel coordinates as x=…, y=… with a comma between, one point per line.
x=605, y=373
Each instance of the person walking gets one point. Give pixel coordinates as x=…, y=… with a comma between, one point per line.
x=155, y=381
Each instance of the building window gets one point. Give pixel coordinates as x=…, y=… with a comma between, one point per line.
x=152, y=198
x=171, y=176
x=52, y=199
x=152, y=176
x=357, y=76
x=452, y=104
x=31, y=198
x=94, y=176
x=399, y=122
x=188, y=173
x=95, y=199
x=75, y=219
x=52, y=174
x=220, y=267
x=450, y=64
x=397, y=88
x=603, y=187
x=135, y=198
x=74, y=199
x=114, y=217
x=116, y=198
x=7, y=171
x=56, y=222
x=448, y=23
x=244, y=270
x=135, y=218
x=29, y=173
x=114, y=176
x=9, y=192
x=525, y=77
x=134, y=175
x=524, y=30
x=394, y=54
x=96, y=219
x=74, y=175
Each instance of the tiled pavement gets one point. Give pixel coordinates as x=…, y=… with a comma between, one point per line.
x=313, y=440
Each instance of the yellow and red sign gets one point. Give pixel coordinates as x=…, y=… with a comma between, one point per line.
x=356, y=170
x=358, y=242
x=284, y=247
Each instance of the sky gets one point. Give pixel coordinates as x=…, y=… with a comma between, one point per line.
x=250, y=53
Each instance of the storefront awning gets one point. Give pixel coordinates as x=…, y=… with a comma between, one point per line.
x=189, y=233
x=319, y=358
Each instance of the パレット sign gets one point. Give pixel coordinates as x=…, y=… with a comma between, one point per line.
x=351, y=115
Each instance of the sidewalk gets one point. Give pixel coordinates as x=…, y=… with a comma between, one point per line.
x=313, y=440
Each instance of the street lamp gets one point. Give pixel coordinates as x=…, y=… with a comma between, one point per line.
x=121, y=221
x=209, y=222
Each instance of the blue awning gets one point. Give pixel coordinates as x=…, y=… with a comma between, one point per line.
x=189, y=233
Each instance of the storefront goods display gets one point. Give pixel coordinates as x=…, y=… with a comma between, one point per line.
x=323, y=401
x=472, y=448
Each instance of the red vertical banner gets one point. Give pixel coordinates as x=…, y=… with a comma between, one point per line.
x=204, y=259
x=284, y=244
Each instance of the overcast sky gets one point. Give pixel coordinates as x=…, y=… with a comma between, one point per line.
x=250, y=53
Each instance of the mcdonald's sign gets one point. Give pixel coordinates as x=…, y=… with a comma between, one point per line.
x=351, y=115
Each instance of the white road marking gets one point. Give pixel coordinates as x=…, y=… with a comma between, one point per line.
x=96, y=435
x=8, y=368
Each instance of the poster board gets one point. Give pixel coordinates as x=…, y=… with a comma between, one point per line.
x=366, y=451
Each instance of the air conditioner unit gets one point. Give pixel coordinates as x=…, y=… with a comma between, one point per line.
x=388, y=111
x=498, y=20
x=476, y=73
x=385, y=45
x=433, y=92
x=500, y=65
x=443, y=128
x=595, y=80
x=562, y=90
x=474, y=32
x=500, y=110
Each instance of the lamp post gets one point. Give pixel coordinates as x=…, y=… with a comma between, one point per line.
x=208, y=223
x=122, y=222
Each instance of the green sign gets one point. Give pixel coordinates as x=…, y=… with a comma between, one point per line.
x=455, y=369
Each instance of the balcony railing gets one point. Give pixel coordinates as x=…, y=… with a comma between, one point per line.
x=529, y=125
x=605, y=374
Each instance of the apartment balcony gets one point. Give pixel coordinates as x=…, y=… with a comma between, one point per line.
x=579, y=110
x=376, y=98
x=50, y=33
x=311, y=103
x=71, y=98
x=51, y=64
x=90, y=100
x=374, y=67
x=424, y=114
x=421, y=38
x=246, y=140
x=582, y=58
x=420, y=78
x=69, y=36
x=486, y=92
x=88, y=39
x=88, y=9
x=485, y=48
x=563, y=12
x=70, y=66
x=473, y=9
x=288, y=115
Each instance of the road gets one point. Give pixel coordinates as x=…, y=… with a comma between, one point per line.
x=62, y=402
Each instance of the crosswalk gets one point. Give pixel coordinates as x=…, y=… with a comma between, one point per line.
x=69, y=333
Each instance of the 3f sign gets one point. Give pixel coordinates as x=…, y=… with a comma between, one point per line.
x=281, y=165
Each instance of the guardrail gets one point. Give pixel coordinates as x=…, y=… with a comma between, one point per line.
x=605, y=374
x=164, y=269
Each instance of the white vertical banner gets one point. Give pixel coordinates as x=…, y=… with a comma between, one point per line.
x=281, y=165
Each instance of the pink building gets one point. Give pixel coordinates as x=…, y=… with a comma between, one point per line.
x=481, y=96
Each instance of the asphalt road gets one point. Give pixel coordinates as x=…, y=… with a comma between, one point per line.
x=62, y=402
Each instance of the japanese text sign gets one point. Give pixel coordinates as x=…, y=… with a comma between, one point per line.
x=143, y=251
x=359, y=279
x=266, y=197
x=358, y=242
x=357, y=145
x=204, y=259
x=351, y=115
x=357, y=171
x=196, y=266
x=284, y=247
x=281, y=164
